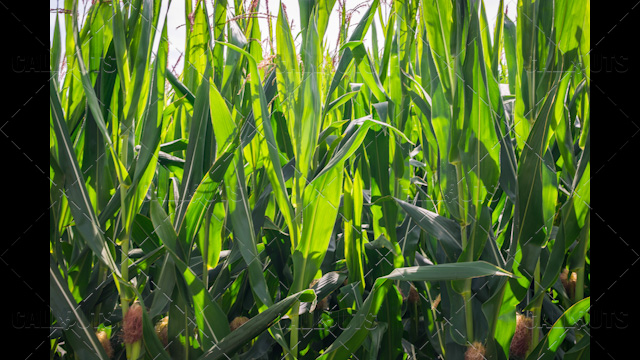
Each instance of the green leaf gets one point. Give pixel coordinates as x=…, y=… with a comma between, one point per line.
x=76, y=192
x=224, y=127
x=325, y=7
x=447, y=272
x=243, y=232
x=139, y=76
x=152, y=343
x=510, y=52
x=366, y=70
x=165, y=283
x=479, y=145
x=581, y=350
x=496, y=52
x=571, y=22
x=56, y=48
x=208, y=313
x=347, y=57
x=244, y=235
x=211, y=320
x=438, y=16
x=353, y=238
x=391, y=314
x=321, y=202
x=180, y=89
x=500, y=312
x=532, y=222
x=268, y=146
x=197, y=49
x=122, y=56
x=195, y=160
x=64, y=308
x=339, y=101
x=230, y=344
x=359, y=327
x=353, y=137
x=440, y=227
x=203, y=197
x=94, y=104
x=308, y=108
x=287, y=70
x=145, y=167
x=327, y=284
x=558, y=331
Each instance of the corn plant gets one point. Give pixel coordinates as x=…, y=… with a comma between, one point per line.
x=428, y=198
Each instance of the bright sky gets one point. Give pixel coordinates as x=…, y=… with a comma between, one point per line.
x=176, y=20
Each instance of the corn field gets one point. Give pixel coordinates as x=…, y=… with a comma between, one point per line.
x=427, y=198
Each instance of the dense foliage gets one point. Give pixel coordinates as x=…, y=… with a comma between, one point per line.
x=429, y=198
